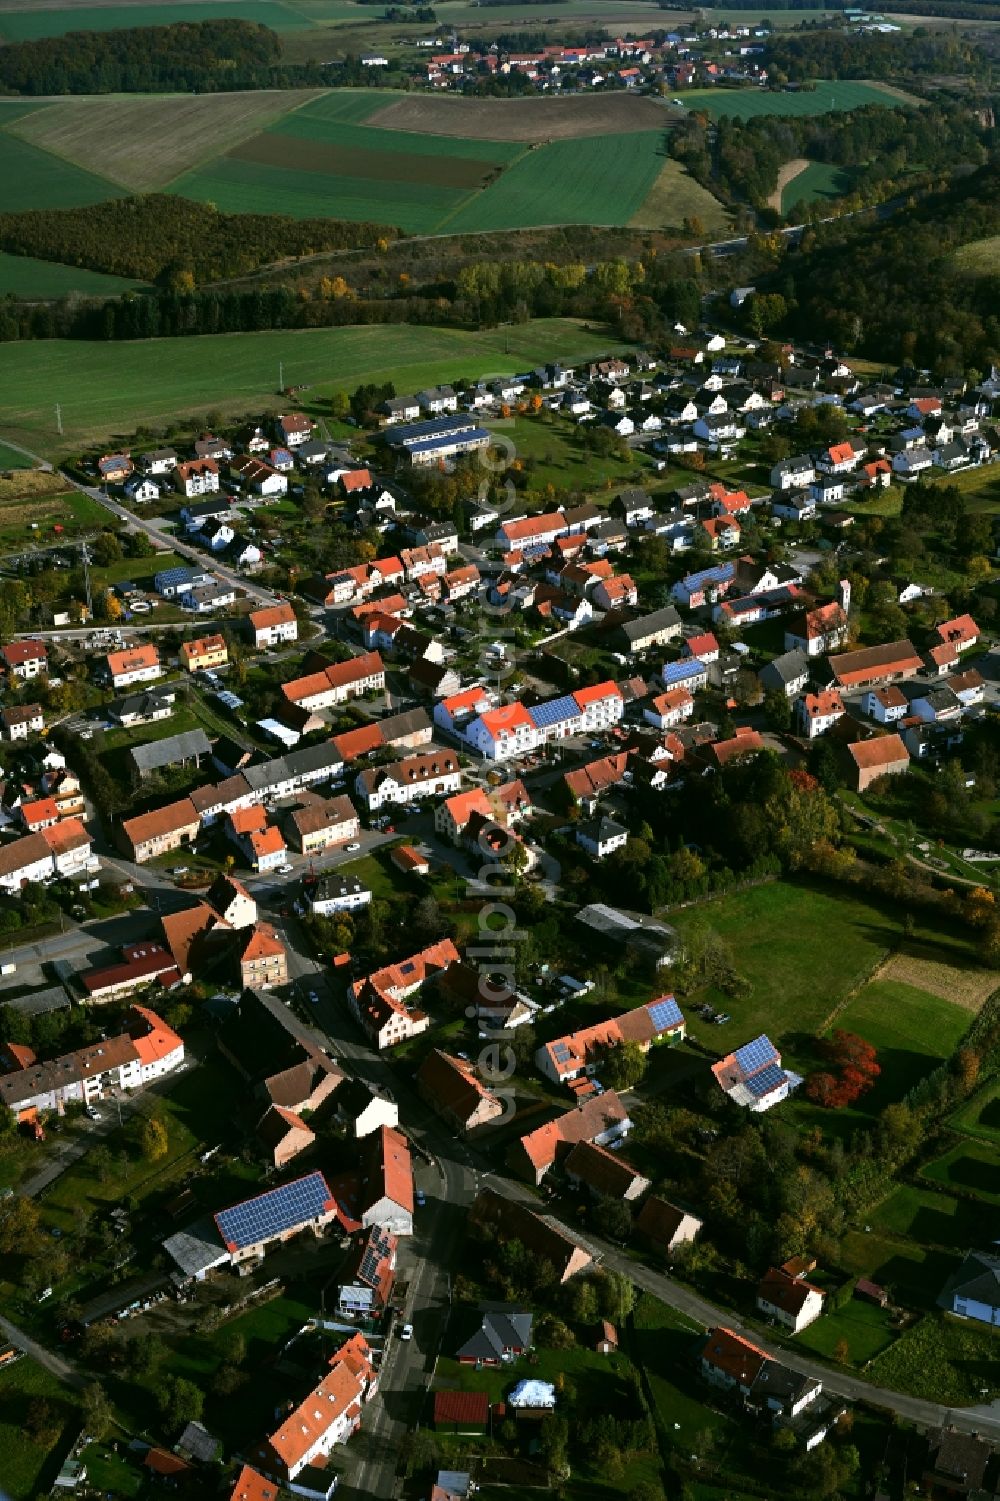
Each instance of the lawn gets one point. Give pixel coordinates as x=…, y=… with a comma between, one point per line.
x=22, y=1459
x=803, y=947
x=864, y=1326
x=818, y=180
x=971, y=1166
x=979, y=257
x=826, y=98
x=23, y=276
x=912, y=1275
x=25, y=25
x=556, y=456
x=10, y=458
x=912, y=1030
x=930, y=1219
x=109, y=388
x=33, y=178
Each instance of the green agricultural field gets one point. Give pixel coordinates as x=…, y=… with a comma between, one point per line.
x=23, y=276
x=25, y=25
x=35, y=179
x=596, y=180
x=826, y=98
x=912, y=1030
x=11, y=458
x=819, y=180
x=311, y=165
x=111, y=388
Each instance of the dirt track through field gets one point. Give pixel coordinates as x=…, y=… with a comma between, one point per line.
x=523, y=119
x=967, y=988
x=787, y=174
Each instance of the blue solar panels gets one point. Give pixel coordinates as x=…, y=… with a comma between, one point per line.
x=665, y=1013
x=544, y=715
x=681, y=672
x=754, y=1055
x=272, y=1213
x=765, y=1079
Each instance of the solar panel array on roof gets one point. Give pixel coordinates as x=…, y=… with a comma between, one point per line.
x=665, y=1013
x=272, y=1213
x=679, y=672
x=543, y=715
x=765, y=1079
x=560, y=1052
x=754, y=1055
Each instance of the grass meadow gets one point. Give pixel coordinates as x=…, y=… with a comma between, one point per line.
x=24, y=276
x=828, y=97
x=25, y=1463
x=818, y=180
x=111, y=388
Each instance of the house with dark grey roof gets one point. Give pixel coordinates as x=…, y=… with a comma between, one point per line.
x=649, y=630
x=973, y=1292
x=787, y=674
x=503, y=1335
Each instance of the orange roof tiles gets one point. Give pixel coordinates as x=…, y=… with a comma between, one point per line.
x=885, y=750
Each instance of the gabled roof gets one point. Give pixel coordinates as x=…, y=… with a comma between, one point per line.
x=734, y=1356
x=583, y=1123
x=883, y=750
x=603, y=1171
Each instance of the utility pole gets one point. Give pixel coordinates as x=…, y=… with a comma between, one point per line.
x=59, y=426
x=86, y=579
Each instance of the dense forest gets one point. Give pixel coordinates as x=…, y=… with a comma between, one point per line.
x=831, y=52
x=175, y=242
x=893, y=291
x=739, y=160
x=197, y=57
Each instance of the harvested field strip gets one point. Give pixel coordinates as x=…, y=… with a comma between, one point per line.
x=247, y=187
x=36, y=179
x=524, y=119
x=602, y=180
x=25, y=25
x=966, y=987
x=674, y=197
x=786, y=175
x=144, y=142
x=372, y=166
x=304, y=124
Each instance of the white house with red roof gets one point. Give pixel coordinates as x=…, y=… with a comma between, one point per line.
x=387, y=1188
x=961, y=633
x=841, y=458
x=328, y=1416
x=819, y=712
x=25, y=659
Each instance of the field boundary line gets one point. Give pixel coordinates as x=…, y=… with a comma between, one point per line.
x=872, y=973
x=308, y=96
x=480, y=192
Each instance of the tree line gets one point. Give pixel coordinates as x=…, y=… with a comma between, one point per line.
x=893, y=290
x=831, y=52
x=173, y=241
x=200, y=57
x=739, y=160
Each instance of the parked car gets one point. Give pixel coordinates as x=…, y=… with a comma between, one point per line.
x=314, y=998
x=284, y=870
x=352, y=849
x=406, y=1332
